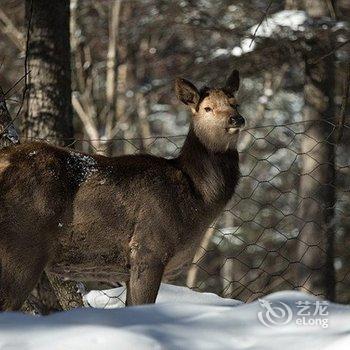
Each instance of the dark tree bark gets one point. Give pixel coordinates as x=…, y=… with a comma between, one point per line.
x=317, y=182
x=49, y=113
x=49, y=90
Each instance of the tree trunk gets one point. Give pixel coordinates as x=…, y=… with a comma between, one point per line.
x=317, y=182
x=49, y=105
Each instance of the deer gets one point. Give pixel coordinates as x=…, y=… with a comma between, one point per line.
x=131, y=218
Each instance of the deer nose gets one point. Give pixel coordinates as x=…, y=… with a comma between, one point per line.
x=237, y=121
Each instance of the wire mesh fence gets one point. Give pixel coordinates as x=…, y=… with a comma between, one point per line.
x=268, y=238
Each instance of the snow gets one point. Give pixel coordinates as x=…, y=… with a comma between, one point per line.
x=115, y=298
x=32, y=153
x=84, y=165
x=220, y=52
x=291, y=19
x=181, y=319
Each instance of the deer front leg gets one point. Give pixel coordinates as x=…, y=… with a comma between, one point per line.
x=145, y=277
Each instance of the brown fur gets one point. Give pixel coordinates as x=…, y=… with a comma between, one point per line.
x=127, y=218
x=3, y=164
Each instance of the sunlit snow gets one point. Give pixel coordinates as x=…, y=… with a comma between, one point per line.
x=183, y=319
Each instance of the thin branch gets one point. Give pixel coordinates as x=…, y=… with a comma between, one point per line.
x=16, y=83
x=330, y=53
x=85, y=118
x=111, y=90
x=331, y=9
x=261, y=21
x=12, y=100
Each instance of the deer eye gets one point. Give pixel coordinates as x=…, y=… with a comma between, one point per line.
x=235, y=106
x=207, y=109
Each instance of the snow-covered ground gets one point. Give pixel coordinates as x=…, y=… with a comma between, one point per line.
x=183, y=319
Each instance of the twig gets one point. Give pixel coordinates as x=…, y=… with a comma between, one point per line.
x=329, y=53
x=15, y=84
x=12, y=100
x=89, y=124
x=261, y=21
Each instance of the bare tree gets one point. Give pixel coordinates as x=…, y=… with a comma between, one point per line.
x=99, y=125
x=49, y=103
x=317, y=181
x=49, y=112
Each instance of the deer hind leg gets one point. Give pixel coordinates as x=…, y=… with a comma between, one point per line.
x=145, y=278
x=19, y=275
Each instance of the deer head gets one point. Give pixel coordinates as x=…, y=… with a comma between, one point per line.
x=215, y=117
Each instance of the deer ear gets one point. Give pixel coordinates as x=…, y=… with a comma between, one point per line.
x=186, y=92
x=232, y=82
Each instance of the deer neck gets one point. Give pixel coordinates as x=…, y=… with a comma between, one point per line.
x=213, y=174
